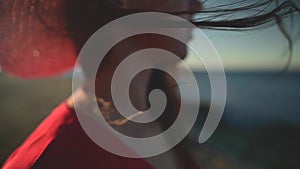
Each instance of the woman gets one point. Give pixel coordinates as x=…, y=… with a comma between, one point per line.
x=41, y=38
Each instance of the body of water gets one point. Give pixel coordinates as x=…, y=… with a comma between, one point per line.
x=255, y=99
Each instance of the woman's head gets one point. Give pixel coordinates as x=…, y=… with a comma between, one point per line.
x=92, y=17
x=135, y=43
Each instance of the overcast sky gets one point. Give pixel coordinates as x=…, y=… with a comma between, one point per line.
x=264, y=49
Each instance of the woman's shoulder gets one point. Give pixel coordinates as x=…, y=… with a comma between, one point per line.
x=60, y=142
x=59, y=120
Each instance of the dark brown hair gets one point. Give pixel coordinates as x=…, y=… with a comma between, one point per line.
x=241, y=15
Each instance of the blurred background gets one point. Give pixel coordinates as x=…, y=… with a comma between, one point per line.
x=260, y=128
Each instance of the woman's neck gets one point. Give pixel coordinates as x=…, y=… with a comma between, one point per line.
x=138, y=89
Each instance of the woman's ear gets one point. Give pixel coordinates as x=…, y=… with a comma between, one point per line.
x=142, y=4
x=195, y=5
x=119, y=3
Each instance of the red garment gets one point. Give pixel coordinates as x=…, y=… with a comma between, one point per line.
x=60, y=142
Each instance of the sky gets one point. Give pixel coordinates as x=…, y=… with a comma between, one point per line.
x=258, y=50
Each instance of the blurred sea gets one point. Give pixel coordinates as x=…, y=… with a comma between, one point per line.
x=255, y=99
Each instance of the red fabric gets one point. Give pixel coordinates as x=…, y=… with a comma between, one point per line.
x=34, y=40
x=42, y=38
x=60, y=142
